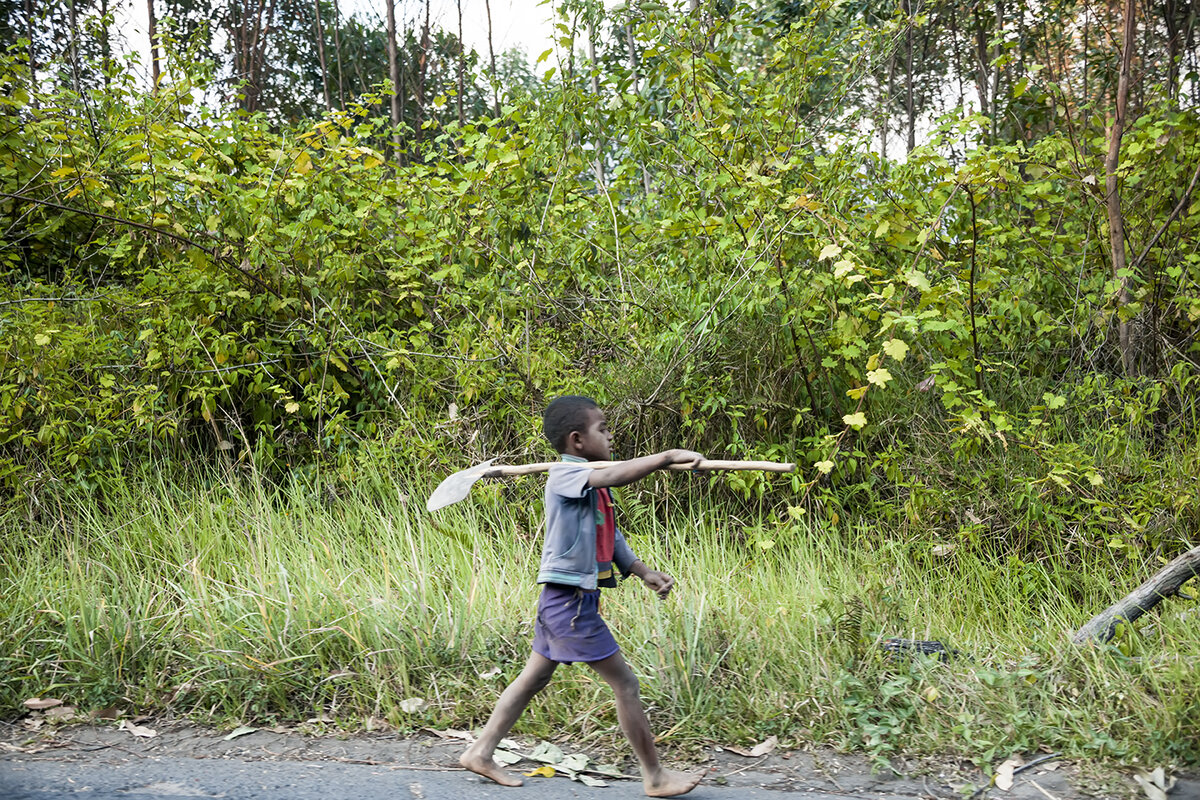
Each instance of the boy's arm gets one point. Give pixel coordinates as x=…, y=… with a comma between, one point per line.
x=635, y=469
x=660, y=582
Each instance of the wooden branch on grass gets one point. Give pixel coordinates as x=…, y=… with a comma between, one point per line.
x=1163, y=584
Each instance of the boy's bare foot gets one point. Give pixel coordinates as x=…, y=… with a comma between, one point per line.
x=487, y=768
x=669, y=783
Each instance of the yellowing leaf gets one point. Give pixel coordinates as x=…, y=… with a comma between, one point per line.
x=917, y=279
x=856, y=421
x=843, y=268
x=856, y=394
x=825, y=467
x=41, y=340
x=873, y=361
x=544, y=771
x=896, y=348
x=829, y=251
x=879, y=377
x=292, y=407
x=931, y=694
x=303, y=163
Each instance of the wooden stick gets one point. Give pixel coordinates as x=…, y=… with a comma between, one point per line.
x=511, y=470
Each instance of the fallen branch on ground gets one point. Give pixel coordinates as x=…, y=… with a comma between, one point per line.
x=1163, y=584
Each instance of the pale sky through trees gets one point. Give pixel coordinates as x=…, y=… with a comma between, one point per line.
x=521, y=24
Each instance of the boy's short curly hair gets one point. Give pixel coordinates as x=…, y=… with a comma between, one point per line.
x=563, y=415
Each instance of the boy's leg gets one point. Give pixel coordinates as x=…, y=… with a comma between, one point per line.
x=656, y=781
x=478, y=757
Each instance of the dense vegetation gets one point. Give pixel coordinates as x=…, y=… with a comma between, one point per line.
x=230, y=336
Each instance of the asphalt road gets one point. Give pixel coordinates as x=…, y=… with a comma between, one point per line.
x=108, y=761
x=175, y=777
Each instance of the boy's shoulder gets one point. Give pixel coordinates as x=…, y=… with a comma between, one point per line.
x=568, y=479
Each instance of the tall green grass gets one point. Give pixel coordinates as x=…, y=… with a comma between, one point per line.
x=226, y=601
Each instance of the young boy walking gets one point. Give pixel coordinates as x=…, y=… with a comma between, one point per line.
x=583, y=551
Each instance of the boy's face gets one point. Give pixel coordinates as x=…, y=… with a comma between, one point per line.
x=594, y=442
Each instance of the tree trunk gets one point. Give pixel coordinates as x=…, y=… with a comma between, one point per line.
x=981, y=64
x=998, y=37
x=909, y=104
x=73, y=46
x=1087, y=44
x=31, y=55
x=423, y=64
x=152, y=24
x=1165, y=583
x=256, y=52
x=598, y=166
x=1170, y=18
x=321, y=55
x=885, y=103
x=487, y=4
x=1116, y=221
x=105, y=46
x=337, y=53
x=637, y=90
x=462, y=65
x=394, y=74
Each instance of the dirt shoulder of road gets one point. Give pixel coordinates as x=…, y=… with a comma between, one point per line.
x=814, y=769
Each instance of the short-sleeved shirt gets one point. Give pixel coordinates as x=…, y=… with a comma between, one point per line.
x=569, y=549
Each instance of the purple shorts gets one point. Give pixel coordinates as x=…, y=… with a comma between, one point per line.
x=569, y=627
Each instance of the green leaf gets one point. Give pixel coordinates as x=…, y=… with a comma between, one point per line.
x=1053, y=401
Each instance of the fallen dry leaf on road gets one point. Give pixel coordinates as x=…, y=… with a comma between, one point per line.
x=61, y=713
x=760, y=749
x=137, y=730
x=1156, y=784
x=765, y=747
x=39, y=704
x=1004, y=774
x=241, y=730
x=451, y=733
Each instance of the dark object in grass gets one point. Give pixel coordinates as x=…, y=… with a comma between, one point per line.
x=901, y=647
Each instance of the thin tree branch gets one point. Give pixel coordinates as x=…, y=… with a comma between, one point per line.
x=149, y=228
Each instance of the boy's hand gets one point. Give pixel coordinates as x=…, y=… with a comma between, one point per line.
x=690, y=457
x=660, y=582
